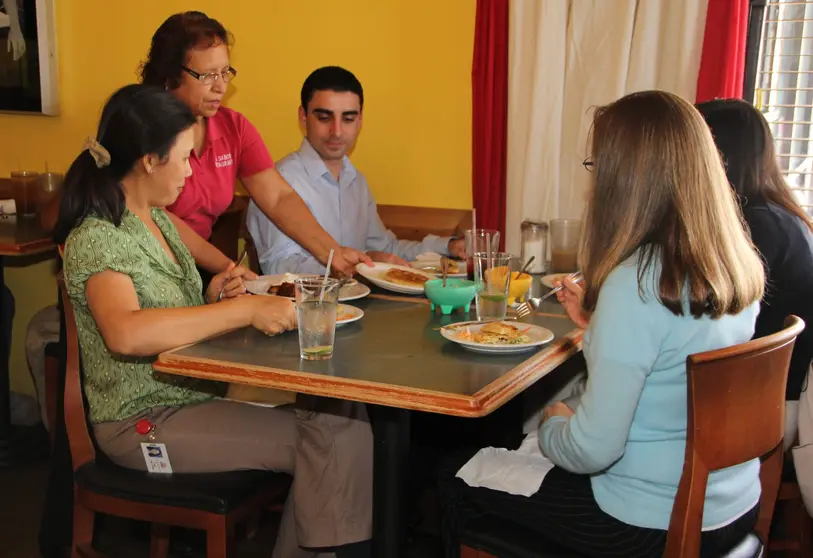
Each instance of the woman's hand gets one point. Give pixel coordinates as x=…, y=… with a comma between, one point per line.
x=558, y=409
x=572, y=298
x=232, y=279
x=273, y=314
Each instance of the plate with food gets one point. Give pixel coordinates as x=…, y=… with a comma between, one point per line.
x=548, y=280
x=397, y=278
x=498, y=337
x=283, y=285
x=456, y=269
x=346, y=314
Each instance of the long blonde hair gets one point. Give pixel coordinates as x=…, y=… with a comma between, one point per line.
x=661, y=190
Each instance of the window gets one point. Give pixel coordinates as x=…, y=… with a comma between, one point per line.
x=783, y=86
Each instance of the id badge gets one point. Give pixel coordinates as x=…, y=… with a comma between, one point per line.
x=156, y=457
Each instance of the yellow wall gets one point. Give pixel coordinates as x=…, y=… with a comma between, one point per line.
x=413, y=58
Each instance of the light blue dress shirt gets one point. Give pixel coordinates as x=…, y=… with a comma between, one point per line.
x=346, y=210
x=629, y=430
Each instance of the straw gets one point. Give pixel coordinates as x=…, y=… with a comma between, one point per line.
x=46, y=167
x=489, y=263
x=327, y=274
x=473, y=221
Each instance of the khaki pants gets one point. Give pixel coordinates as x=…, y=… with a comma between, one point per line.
x=326, y=444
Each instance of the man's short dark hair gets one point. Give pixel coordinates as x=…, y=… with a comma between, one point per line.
x=330, y=78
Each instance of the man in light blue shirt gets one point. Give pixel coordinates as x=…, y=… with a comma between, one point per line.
x=335, y=192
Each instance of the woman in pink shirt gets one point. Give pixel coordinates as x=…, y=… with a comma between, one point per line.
x=189, y=56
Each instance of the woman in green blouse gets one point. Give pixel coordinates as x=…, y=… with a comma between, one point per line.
x=136, y=292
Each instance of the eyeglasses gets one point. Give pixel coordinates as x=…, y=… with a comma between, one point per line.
x=588, y=164
x=211, y=77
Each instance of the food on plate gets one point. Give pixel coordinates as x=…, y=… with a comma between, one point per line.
x=283, y=289
x=497, y=333
x=404, y=277
x=343, y=314
x=454, y=267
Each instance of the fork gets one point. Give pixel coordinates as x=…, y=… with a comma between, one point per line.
x=239, y=263
x=532, y=304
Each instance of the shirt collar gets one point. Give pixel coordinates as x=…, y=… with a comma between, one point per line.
x=214, y=129
x=315, y=166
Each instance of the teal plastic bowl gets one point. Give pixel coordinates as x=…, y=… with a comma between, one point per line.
x=458, y=293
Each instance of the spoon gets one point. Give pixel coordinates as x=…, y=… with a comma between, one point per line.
x=526, y=266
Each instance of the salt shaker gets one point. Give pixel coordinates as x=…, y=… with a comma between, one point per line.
x=535, y=243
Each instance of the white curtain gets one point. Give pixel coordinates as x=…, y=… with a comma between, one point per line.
x=567, y=57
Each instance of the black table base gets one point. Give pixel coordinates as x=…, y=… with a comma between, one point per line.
x=22, y=445
x=391, y=432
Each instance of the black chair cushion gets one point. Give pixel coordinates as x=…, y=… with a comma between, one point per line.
x=750, y=547
x=506, y=539
x=213, y=492
x=788, y=469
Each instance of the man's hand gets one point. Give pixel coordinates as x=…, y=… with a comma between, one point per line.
x=345, y=260
x=457, y=248
x=386, y=257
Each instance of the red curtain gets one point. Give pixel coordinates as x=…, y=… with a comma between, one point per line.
x=722, y=64
x=489, y=80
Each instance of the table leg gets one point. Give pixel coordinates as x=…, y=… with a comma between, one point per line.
x=390, y=475
x=18, y=444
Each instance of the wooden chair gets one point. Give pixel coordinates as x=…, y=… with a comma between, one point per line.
x=736, y=404
x=211, y=502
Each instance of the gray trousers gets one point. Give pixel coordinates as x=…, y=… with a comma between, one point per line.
x=42, y=329
x=326, y=444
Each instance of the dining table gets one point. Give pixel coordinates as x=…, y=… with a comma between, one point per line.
x=395, y=359
x=20, y=237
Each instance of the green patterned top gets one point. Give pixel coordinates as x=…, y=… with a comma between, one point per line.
x=118, y=386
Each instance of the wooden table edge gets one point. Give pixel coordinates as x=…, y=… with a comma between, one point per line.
x=480, y=404
x=29, y=248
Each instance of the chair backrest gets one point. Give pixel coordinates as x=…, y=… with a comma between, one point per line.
x=76, y=424
x=736, y=411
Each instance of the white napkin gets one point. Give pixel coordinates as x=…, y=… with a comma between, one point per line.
x=518, y=472
x=260, y=397
x=8, y=207
x=428, y=256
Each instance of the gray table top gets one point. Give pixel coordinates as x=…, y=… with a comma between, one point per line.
x=394, y=355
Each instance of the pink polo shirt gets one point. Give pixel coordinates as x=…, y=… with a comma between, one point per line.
x=233, y=149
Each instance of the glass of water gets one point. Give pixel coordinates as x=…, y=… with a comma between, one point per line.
x=316, y=305
x=492, y=278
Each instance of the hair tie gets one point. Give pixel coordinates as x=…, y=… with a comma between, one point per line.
x=99, y=153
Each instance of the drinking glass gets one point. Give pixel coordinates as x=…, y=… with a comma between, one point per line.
x=24, y=188
x=49, y=185
x=316, y=304
x=476, y=242
x=492, y=279
x=564, y=245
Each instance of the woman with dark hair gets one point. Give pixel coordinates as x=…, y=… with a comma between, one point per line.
x=780, y=229
x=661, y=281
x=136, y=293
x=189, y=57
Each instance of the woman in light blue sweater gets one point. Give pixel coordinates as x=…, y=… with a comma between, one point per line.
x=669, y=271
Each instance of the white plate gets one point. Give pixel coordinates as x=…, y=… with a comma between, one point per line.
x=353, y=314
x=352, y=291
x=548, y=280
x=376, y=274
x=539, y=336
x=435, y=265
